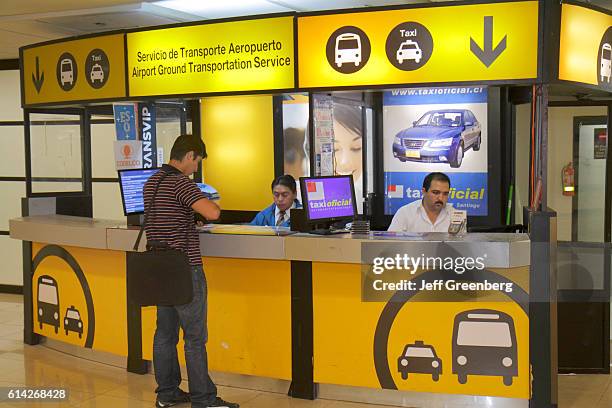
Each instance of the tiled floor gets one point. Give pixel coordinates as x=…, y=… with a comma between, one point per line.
x=94, y=385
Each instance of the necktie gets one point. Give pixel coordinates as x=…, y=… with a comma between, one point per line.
x=281, y=218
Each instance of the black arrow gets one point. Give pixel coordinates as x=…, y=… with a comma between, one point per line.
x=39, y=78
x=488, y=55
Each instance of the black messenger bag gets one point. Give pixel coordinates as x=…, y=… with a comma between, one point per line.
x=160, y=276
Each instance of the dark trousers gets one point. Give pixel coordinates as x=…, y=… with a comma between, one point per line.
x=192, y=319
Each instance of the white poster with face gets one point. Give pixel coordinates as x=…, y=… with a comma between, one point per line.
x=348, y=145
x=436, y=130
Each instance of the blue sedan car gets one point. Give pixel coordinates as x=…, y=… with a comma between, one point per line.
x=439, y=136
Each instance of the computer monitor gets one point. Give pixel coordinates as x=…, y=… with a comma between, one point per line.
x=131, y=183
x=328, y=198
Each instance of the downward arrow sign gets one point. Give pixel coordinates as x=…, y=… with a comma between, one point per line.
x=39, y=78
x=488, y=55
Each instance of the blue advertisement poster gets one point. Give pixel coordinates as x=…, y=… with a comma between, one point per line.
x=125, y=121
x=440, y=129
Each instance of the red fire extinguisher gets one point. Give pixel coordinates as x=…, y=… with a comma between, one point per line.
x=567, y=179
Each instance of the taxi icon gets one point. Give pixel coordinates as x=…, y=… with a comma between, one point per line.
x=73, y=322
x=97, y=74
x=409, y=50
x=419, y=358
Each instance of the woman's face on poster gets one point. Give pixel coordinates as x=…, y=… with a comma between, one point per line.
x=347, y=151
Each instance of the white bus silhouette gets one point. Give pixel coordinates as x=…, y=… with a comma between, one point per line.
x=348, y=49
x=606, y=62
x=48, y=302
x=66, y=72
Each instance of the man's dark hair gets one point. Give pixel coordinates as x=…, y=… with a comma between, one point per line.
x=185, y=144
x=435, y=176
x=286, y=180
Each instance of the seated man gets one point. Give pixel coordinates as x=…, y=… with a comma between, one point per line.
x=432, y=213
x=285, y=198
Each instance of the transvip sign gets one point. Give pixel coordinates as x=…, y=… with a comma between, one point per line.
x=436, y=129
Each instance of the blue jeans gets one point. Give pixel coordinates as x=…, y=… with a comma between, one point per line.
x=192, y=319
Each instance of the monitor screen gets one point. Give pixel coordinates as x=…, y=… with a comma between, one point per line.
x=131, y=183
x=328, y=197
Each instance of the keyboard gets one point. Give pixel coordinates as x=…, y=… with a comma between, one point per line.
x=325, y=231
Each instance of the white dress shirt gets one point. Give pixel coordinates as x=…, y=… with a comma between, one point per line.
x=277, y=213
x=413, y=218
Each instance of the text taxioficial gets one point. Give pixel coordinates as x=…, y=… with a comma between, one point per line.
x=412, y=264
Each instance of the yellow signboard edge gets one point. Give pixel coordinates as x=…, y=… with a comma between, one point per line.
x=522, y=81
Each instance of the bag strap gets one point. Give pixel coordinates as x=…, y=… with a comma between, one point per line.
x=151, y=205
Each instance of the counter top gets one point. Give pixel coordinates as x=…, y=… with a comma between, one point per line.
x=499, y=250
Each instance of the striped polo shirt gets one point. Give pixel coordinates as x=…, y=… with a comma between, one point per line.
x=172, y=218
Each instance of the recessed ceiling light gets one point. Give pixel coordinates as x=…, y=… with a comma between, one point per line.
x=222, y=8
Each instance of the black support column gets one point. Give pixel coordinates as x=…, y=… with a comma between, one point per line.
x=543, y=352
x=135, y=363
x=302, y=345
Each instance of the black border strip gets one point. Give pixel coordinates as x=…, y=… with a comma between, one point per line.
x=4, y=233
x=278, y=135
x=518, y=82
x=9, y=64
x=579, y=84
x=12, y=123
x=11, y=289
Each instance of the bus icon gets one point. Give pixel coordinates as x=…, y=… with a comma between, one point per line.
x=66, y=72
x=484, y=343
x=48, y=302
x=348, y=49
x=606, y=63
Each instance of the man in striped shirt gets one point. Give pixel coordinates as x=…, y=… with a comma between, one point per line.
x=172, y=223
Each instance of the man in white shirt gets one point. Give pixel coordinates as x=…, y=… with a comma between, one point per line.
x=432, y=213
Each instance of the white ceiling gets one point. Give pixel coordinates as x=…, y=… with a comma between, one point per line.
x=24, y=22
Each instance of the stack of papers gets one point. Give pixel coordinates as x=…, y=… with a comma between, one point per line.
x=209, y=191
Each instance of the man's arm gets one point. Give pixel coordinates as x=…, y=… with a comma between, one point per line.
x=207, y=208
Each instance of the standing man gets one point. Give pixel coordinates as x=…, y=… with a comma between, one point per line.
x=432, y=213
x=172, y=223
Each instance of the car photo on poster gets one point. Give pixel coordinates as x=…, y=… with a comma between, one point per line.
x=439, y=136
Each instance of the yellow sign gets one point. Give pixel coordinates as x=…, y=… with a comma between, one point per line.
x=585, y=53
x=78, y=297
x=234, y=56
x=481, y=42
x=77, y=70
x=461, y=345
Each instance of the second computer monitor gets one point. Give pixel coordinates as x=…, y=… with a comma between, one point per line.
x=328, y=198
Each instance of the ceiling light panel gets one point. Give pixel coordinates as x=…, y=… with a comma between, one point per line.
x=223, y=8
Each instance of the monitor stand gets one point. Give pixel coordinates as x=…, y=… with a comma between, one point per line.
x=326, y=229
x=135, y=220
